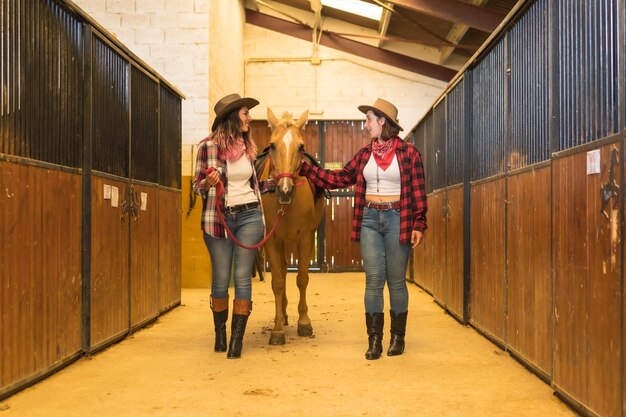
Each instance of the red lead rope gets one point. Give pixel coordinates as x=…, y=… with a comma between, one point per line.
x=219, y=191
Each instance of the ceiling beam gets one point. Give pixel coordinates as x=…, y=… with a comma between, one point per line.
x=455, y=35
x=455, y=11
x=329, y=40
x=384, y=25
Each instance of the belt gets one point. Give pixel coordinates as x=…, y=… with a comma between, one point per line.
x=383, y=206
x=241, y=207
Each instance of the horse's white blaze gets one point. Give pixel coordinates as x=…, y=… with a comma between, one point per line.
x=287, y=139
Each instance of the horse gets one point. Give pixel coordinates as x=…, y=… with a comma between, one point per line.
x=301, y=211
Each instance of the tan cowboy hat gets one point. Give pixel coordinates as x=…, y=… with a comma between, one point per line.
x=386, y=108
x=230, y=103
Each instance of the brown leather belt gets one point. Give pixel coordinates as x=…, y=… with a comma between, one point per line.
x=382, y=205
x=241, y=207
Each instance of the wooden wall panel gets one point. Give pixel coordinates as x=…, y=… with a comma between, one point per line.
x=144, y=252
x=420, y=258
x=428, y=248
x=454, y=252
x=437, y=236
x=170, y=212
x=487, y=288
x=341, y=252
x=40, y=277
x=110, y=315
x=342, y=142
x=529, y=258
x=587, y=264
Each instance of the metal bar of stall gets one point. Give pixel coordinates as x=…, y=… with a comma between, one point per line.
x=87, y=111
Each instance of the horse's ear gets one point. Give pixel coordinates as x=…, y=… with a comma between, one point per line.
x=271, y=118
x=304, y=117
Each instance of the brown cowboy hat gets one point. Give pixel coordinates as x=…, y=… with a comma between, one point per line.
x=230, y=103
x=386, y=108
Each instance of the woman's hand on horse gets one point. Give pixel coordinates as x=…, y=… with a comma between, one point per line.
x=212, y=178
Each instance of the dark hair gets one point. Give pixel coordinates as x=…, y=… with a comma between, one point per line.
x=390, y=129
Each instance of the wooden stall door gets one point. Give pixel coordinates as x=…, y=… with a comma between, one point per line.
x=109, y=261
x=437, y=236
x=342, y=141
x=587, y=282
x=454, y=273
x=40, y=273
x=487, y=288
x=424, y=254
x=170, y=267
x=144, y=252
x=529, y=263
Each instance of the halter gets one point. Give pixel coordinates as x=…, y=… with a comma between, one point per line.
x=293, y=177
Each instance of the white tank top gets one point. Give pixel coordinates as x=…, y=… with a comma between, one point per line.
x=239, y=190
x=379, y=182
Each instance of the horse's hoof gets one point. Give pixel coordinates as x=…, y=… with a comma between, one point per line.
x=305, y=330
x=277, y=338
x=286, y=322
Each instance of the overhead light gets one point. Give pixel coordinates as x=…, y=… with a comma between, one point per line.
x=358, y=7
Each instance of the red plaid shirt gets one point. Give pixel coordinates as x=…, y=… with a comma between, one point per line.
x=413, y=206
x=207, y=157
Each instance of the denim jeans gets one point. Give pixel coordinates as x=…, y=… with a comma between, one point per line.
x=384, y=260
x=247, y=226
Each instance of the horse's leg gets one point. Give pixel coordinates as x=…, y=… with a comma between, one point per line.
x=305, y=251
x=275, y=251
x=284, y=274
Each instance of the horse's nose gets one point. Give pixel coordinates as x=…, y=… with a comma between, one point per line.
x=285, y=190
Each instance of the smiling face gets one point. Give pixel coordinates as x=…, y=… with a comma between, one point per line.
x=374, y=124
x=245, y=119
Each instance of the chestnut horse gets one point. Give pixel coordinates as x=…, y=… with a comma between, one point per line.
x=302, y=212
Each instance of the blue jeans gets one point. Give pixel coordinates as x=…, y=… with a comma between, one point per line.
x=384, y=260
x=247, y=226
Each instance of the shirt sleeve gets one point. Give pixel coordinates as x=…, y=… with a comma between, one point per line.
x=331, y=179
x=419, y=195
x=201, y=167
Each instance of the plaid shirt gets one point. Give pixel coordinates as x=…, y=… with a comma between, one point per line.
x=207, y=157
x=413, y=206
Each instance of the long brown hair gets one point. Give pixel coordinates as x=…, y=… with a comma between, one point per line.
x=228, y=135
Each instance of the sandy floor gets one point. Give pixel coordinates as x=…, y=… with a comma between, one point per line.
x=170, y=369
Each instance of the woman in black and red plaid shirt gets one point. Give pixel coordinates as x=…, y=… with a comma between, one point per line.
x=389, y=217
x=226, y=158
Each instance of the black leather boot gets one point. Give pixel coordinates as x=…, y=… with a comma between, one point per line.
x=374, y=323
x=241, y=312
x=398, y=330
x=220, y=317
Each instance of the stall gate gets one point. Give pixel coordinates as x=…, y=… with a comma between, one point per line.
x=90, y=144
x=540, y=114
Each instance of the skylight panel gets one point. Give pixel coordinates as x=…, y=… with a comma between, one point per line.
x=358, y=7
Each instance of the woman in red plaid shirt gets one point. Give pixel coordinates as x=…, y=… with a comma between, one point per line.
x=389, y=217
x=227, y=155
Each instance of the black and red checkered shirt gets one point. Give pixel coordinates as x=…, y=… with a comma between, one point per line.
x=413, y=206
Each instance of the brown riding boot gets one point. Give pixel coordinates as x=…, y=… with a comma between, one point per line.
x=220, y=317
x=241, y=312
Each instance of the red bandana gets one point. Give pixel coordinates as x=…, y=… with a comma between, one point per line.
x=384, y=152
